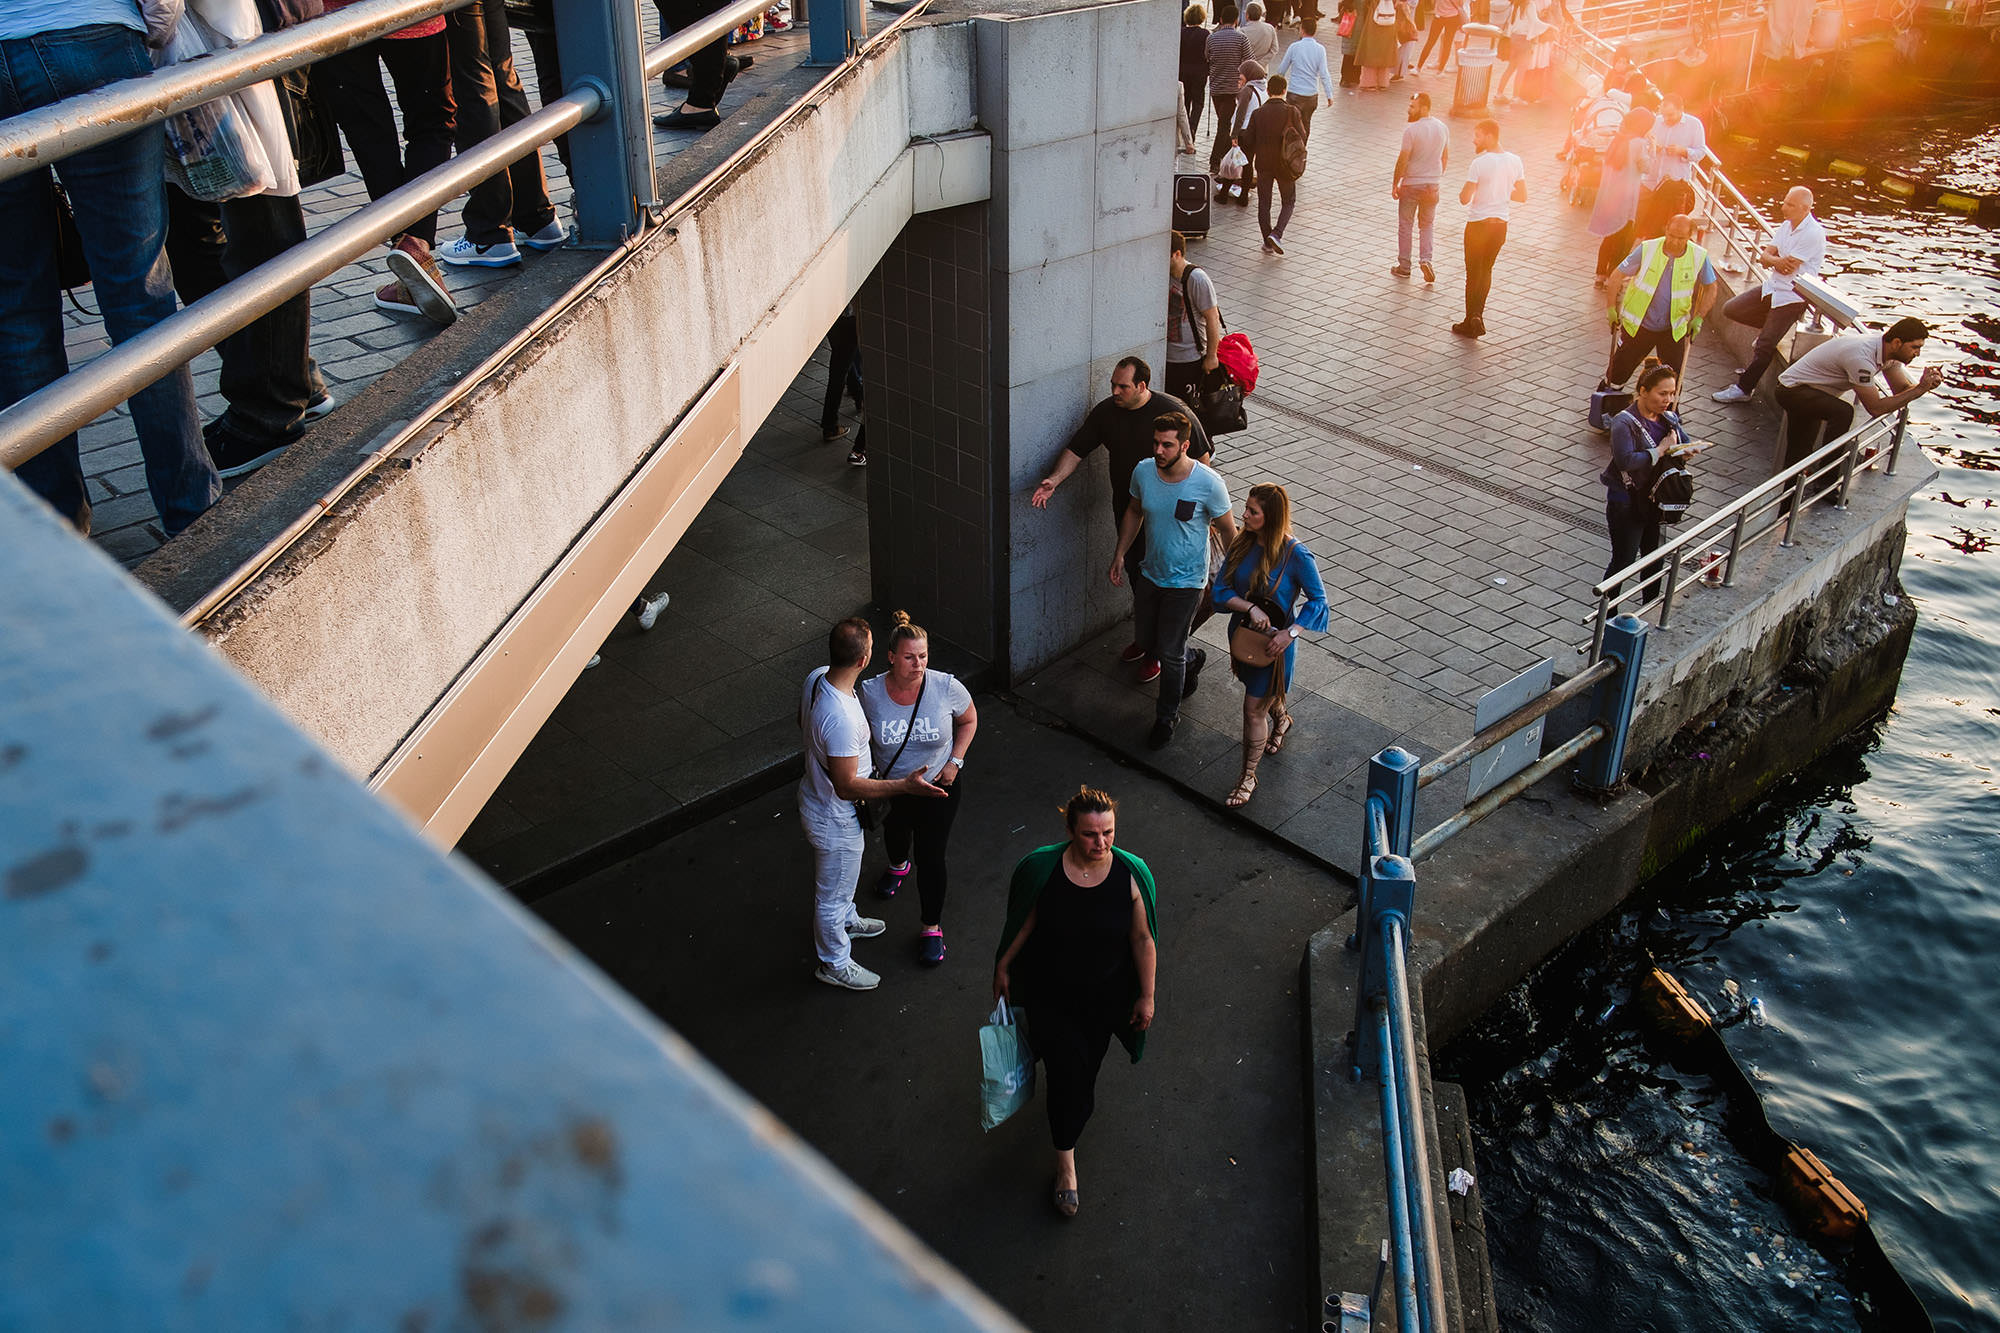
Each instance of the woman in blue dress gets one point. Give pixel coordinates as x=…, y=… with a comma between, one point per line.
x=1270, y=585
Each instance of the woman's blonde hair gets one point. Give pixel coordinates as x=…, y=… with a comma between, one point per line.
x=1087, y=801
x=1195, y=15
x=904, y=630
x=1270, y=543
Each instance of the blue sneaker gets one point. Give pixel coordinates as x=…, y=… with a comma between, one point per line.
x=891, y=880
x=930, y=947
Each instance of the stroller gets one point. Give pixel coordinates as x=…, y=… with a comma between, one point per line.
x=1592, y=129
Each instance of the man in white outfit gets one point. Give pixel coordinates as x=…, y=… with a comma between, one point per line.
x=836, y=739
x=1798, y=246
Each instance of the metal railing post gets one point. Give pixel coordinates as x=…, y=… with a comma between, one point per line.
x=1392, y=777
x=1393, y=884
x=832, y=39
x=603, y=48
x=1896, y=441
x=1613, y=704
x=1426, y=1261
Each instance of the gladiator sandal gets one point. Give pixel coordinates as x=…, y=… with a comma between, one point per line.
x=1247, y=784
x=1281, y=726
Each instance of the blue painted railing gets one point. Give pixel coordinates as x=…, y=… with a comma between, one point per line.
x=269, y=1060
x=1385, y=1041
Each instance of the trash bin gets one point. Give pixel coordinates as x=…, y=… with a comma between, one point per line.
x=1475, y=69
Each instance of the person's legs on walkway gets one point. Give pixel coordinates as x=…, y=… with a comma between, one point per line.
x=420, y=67
x=119, y=199
x=1806, y=410
x=1264, y=188
x=843, y=346
x=1634, y=348
x=1306, y=106
x=487, y=95
x=1191, y=94
x=932, y=834
x=1225, y=112
x=1071, y=1049
x=1288, y=193
x=1483, y=241
x=1427, y=208
x=708, y=68
x=1406, y=222
x=836, y=873
x=532, y=211
x=1172, y=622
x=1778, y=322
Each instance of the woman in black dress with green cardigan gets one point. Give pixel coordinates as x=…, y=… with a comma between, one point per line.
x=1078, y=956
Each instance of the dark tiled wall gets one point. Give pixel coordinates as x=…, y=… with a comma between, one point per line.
x=932, y=521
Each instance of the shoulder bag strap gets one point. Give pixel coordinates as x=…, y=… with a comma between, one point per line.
x=923, y=682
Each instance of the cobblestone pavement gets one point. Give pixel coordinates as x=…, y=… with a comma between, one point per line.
x=353, y=342
x=1449, y=487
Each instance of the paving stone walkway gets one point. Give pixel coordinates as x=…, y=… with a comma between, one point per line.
x=353, y=342
x=1448, y=487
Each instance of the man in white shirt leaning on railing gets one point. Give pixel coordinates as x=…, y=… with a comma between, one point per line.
x=1798, y=246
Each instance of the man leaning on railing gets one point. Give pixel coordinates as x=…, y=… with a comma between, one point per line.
x=50, y=50
x=1813, y=389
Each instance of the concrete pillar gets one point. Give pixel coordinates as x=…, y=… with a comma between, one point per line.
x=1080, y=107
x=933, y=473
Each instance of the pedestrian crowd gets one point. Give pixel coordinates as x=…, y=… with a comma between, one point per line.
x=160, y=217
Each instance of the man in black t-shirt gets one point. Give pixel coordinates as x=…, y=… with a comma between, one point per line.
x=1123, y=426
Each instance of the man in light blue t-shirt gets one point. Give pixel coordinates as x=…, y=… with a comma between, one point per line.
x=1176, y=500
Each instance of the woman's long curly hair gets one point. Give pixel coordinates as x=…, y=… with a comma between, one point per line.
x=1269, y=543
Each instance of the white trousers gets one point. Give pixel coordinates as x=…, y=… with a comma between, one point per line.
x=836, y=875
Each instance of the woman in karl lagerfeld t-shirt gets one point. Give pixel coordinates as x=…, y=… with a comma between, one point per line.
x=918, y=718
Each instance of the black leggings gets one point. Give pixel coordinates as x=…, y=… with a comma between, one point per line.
x=926, y=820
x=1071, y=1047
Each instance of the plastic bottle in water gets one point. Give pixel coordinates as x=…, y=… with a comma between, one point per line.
x=1757, y=1017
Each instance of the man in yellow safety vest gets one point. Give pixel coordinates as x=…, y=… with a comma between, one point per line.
x=1657, y=300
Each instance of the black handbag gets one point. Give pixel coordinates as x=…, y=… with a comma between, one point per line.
x=1218, y=398
x=72, y=271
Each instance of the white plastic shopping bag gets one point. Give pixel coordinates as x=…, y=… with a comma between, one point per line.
x=1233, y=164
x=213, y=151
x=1007, y=1067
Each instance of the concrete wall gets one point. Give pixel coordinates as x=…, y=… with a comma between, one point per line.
x=1080, y=105
x=362, y=627
x=934, y=485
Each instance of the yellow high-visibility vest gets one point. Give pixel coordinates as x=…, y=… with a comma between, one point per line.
x=1652, y=267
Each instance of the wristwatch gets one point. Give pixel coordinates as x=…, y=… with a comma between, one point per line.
x=956, y=760
x=1294, y=629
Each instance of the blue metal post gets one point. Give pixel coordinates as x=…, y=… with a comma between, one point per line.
x=1401, y=1248
x=831, y=40
x=1416, y=1181
x=1613, y=704
x=1392, y=890
x=611, y=154
x=1392, y=777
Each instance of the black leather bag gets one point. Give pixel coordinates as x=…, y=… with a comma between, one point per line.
x=1219, y=404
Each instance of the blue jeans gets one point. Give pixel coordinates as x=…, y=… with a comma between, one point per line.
x=119, y=196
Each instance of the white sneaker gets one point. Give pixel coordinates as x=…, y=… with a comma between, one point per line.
x=648, y=609
x=852, y=976
x=867, y=928
x=595, y=658
x=461, y=251
x=320, y=406
x=552, y=237
x=1732, y=394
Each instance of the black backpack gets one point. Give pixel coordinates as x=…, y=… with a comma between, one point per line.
x=1292, y=150
x=1673, y=491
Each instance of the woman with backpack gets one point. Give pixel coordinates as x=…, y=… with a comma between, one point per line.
x=1275, y=139
x=1641, y=437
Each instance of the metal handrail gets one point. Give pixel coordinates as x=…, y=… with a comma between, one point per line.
x=34, y=423
x=1439, y=834
x=387, y=446
x=1539, y=707
x=1828, y=472
x=36, y=138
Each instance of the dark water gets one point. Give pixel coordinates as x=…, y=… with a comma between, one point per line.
x=1858, y=905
